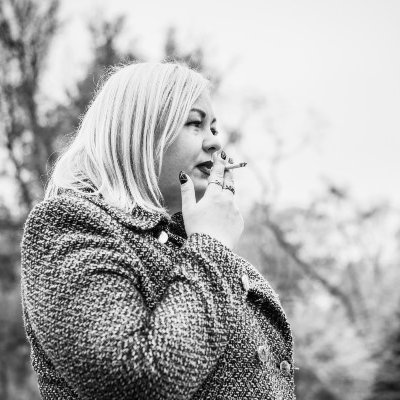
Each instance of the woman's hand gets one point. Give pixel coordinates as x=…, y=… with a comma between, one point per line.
x=216, y=214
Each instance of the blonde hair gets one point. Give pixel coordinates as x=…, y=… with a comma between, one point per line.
x=132, y=120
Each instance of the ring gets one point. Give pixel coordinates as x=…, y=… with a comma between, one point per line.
x=231, y=188
x=217, y=182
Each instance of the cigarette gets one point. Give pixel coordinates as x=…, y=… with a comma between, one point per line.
x=239, y=165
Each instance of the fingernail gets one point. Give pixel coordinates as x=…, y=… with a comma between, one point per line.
x=230, y=160
x=223, y=155
x=182, y=177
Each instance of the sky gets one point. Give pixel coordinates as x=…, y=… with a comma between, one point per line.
x=329, y=71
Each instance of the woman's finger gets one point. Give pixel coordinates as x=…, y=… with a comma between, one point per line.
x=229, y=181
x=217, y=173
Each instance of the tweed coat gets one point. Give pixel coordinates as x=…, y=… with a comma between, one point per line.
x=125, y=306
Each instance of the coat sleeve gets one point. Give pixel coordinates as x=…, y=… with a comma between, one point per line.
x=91, y=320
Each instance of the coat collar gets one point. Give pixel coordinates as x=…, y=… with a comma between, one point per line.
x=138, y=218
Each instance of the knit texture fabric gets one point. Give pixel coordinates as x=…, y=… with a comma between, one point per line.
x=113, y=311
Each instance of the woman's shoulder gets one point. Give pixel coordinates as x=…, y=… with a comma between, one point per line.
x=71, y=212
x=66, y=214
x=64, y=208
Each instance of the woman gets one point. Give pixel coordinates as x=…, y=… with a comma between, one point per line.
x=130, y=287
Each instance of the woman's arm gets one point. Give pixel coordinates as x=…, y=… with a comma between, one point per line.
x=83, y=301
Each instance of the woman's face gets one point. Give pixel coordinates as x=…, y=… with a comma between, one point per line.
x=196, y=142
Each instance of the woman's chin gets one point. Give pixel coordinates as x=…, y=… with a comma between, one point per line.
x=200, y=178
x=200, y=186
x=200, y=182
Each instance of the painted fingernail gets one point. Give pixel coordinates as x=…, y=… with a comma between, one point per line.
x=230, y=160
x=182, y=177
x=223, y=155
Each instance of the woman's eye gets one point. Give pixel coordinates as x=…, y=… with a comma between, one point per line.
x=196, y=123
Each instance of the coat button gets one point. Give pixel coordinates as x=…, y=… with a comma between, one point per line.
x=245, y=282
x=163, y=237
x=262, y=353
x=285, y=368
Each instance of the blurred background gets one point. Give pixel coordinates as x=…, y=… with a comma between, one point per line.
x=307, y=92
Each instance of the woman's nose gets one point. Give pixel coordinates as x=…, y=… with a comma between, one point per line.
x=211, y=144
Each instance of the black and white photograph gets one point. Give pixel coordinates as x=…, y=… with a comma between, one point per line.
x=199, y=200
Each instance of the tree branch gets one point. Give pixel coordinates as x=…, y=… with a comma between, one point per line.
x=310, y=271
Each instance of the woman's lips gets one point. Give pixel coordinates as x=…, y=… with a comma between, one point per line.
x=205, y=170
